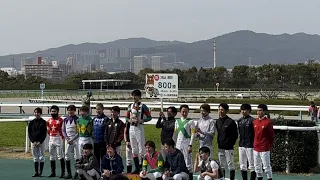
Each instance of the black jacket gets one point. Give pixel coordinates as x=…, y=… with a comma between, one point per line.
x=246, y=131
x=175, y=163
x=227, y=133
x=37, y=130
x=114, y=132
x=167, y=128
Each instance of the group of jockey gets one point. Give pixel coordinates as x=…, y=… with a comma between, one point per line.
x=96, y=143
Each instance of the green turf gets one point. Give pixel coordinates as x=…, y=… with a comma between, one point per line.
x=14, y=136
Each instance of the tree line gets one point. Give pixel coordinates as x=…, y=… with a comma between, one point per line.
x=268, y=76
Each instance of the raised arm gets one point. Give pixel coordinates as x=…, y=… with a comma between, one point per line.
x=159, y=123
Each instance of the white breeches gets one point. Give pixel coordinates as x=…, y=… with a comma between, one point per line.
x=129, y=157
x=151, y=176
x=137, y=140
x=88, y=174
x=226, y=157
x=55, y=147
x=72, y=149
x=208, y=178
x=82, y=141
x=180, y=176
x=246, y=155
x=118, y=150
x=262, y=159
x=182, y=145
x=38, y=153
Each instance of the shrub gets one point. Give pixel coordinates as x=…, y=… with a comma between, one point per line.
x=302, y=147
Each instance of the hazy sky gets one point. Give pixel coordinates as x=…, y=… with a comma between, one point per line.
x=31, y=25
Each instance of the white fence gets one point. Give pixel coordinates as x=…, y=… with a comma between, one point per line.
x=153, y=105
x=153, y=122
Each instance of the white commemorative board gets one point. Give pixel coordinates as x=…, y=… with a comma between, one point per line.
x=160, y=85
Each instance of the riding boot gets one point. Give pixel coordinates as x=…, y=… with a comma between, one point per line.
x=63, y=167
x=232, y=174
x=159, y=178
x=129, y=169
x=41, y=168
x=270, y=179
x=244, y=175
x=260, y=178
x=224, y=173
x=190, y=176
x=137, y=165
x=53, y=169
x=76, y=176
x=36, y=167
x=68, y=165
x=253, y=175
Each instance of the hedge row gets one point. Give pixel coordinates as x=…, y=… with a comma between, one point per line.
x=302, y=147
x=37, y=87
x=259, y=101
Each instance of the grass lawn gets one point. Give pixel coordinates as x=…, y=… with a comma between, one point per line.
x=13, y=135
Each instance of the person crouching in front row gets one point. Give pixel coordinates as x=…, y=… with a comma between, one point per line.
x=87, y=166
x=209, y=168
x=175, y=165
x=111, y=163
x=154, y=160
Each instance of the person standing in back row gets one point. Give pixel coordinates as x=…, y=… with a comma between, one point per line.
x=227, y=137
x=246, y=132
x=99, y=126
x=37, y=131
x=54, y=126
x=205, y=128
x=167, y=126
x=184, y=132
x=263, y=140
x=137, y=114
x=69, y=131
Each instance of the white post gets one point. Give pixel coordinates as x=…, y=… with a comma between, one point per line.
x=161, y=99
x=287, y=157
x=27, y=140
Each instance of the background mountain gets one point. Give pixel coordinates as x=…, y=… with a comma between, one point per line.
x=231, y=49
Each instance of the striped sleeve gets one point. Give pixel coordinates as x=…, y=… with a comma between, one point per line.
x=127, y=118
x=147, y=113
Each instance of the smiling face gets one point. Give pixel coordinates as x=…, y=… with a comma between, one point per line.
x=222, y=112
x=184, y=112
x=110, y=151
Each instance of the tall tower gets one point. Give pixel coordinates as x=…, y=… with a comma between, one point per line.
x=214, y=54
x=13, y=62
x=130, y=61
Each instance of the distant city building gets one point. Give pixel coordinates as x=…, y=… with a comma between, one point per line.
x=25, y=61
x=48, y=71
x=156, y=62
x=139, y=63
x=71, y=62
x=10, y=70
x=124, y=52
